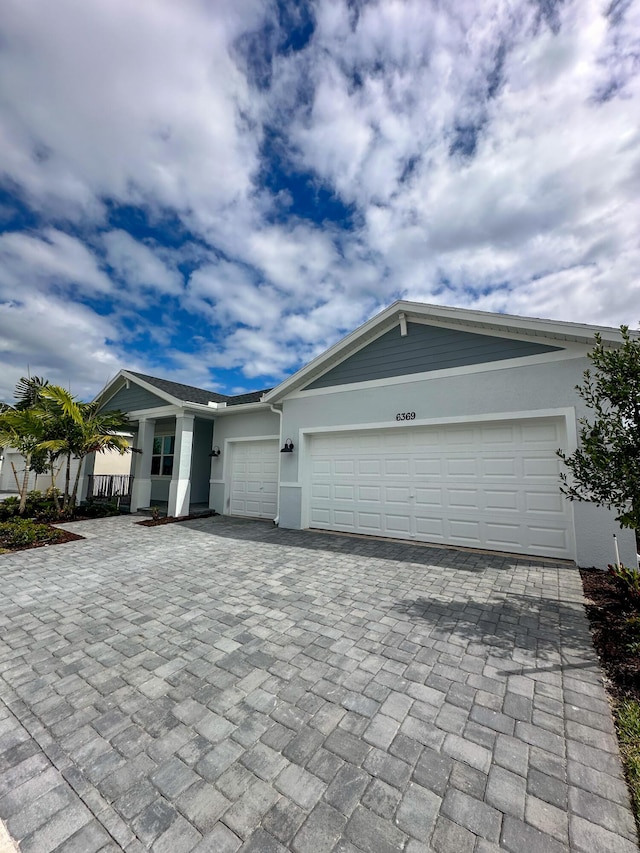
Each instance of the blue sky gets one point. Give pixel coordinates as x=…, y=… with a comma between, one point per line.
x=215, y=192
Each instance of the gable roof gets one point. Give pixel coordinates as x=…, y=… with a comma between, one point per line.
x=471, y=320
x=177, y=393
x=185, y=393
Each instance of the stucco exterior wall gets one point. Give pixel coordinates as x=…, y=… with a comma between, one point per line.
x=261, y=423
x=525, y=389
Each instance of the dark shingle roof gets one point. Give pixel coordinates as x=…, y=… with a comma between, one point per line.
x=186, y=393
x=191, y=394
x=251, y=397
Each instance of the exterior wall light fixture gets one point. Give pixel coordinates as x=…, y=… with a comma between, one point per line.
x=288, y=446
x=215, y=452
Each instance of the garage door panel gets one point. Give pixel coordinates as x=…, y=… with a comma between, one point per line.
x=503, y=536
x=368, y=493
x=537, y=467
x=425, y=467
x=501, y=467
x=537, y=502
x=428, y=497
x=369, y=467
x=461, y=467
x=397, y=467
x=344, y=493
x=397, y=523
x=484, y=485
x=344, y=517
x=462, y=498
x=320, y=491
x=501, y=500
x=254, y=478
x=397, y=494
x=548, y=432
x=343, y=466
x=429, y=527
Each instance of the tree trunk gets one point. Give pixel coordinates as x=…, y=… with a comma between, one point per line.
x=67, y=480
x=54, y=490
x=15, y=477
x=25, y=484
x=75, y=485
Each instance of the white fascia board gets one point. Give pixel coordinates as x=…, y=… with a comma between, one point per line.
x=560, y=329
x=243, y=408
x=155, y=414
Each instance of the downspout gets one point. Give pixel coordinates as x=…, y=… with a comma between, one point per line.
x=278, y=412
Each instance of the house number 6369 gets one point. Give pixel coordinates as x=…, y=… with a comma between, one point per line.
x=406, y=416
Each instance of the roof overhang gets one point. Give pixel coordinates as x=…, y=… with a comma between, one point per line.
x=403, y=311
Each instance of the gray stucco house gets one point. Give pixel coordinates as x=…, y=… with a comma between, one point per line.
x=427, y=423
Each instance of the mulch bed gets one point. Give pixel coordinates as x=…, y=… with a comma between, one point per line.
x=617, y=644
x=171, y=519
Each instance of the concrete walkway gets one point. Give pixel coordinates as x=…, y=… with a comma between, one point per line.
x=222, y=685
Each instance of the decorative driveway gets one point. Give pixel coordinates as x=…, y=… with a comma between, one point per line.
x=222, y=685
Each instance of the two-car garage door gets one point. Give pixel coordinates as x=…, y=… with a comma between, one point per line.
x=484, y=485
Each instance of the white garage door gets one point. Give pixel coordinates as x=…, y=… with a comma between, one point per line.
x=254, y=479
x=485, y=485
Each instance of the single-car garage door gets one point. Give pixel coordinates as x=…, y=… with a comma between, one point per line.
x=483, y=485
x=254, y=479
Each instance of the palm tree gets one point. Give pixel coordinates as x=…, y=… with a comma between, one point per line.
x=79, y=429
x=23, y=429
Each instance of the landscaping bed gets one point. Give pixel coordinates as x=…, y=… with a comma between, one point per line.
x=614, y=616
x=170, y=519
x=20, y=534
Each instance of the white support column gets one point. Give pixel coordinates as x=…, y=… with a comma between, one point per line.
x=141, y=494
x=180, y=486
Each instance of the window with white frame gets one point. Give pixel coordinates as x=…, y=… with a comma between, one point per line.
x=162, y=457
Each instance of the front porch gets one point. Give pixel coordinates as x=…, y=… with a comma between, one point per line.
x=170, y=467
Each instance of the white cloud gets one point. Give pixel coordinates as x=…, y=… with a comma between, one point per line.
x=52, y=258
x=489, y=155
x=138, y=265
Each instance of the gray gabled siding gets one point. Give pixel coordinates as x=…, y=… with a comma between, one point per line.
x=132, y=399
x=423, y=349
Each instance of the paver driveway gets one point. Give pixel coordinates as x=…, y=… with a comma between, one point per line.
x=220, y=685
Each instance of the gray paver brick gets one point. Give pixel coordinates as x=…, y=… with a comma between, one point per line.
x=449, y=836
x=300, y=786
x=417, y=811
x=320, y=831
x=435, y=672
x=518, y=836
x=472, y=814
x=372, y=834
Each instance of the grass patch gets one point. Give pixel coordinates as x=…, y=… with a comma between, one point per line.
x=627, y=714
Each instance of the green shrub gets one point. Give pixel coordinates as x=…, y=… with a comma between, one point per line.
x=18, y=532
x=628, y=580
x=97, y=509
x=38, y=505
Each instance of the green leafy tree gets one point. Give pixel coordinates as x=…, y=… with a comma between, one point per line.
x=28, y=395
x=23, y=430
x=605, y=469
x=78, y=430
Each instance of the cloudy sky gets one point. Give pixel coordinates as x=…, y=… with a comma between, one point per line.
x=214, y=191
